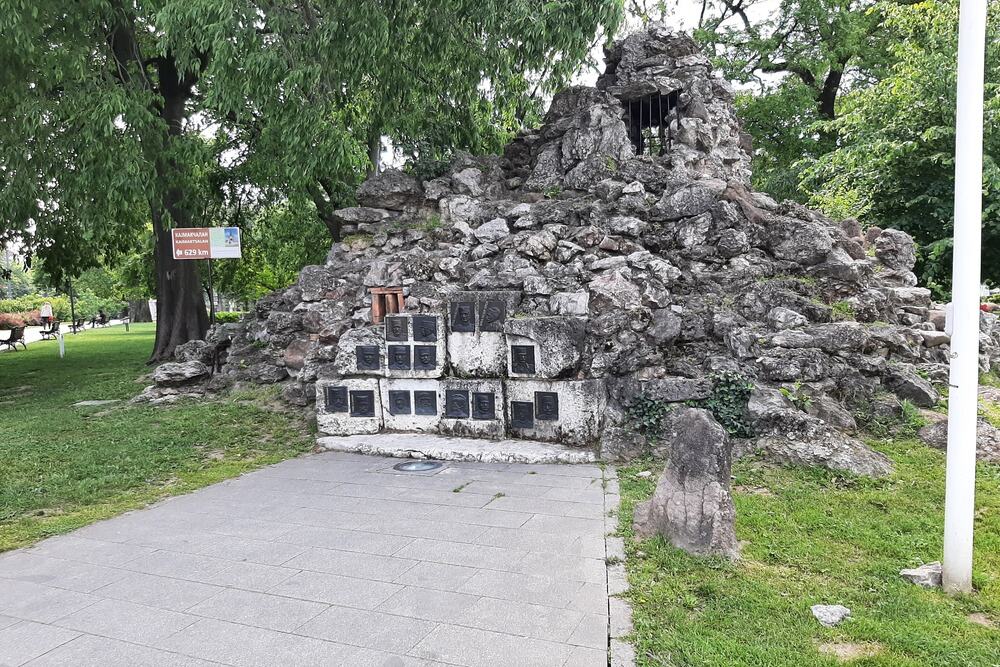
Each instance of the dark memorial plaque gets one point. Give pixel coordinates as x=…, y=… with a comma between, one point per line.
x=493, y=316
x=399, y=402
x=425, y=402
x=362, y=403
x=425, y=328
x=424, y=357
x=399, y=357
x=484, y=405
x=395, y=328
x=368, y=358
x=463, y=316
x=456, y=404
x=522, y=414
x=522, y=359
x=546, y=406
x=336, y=399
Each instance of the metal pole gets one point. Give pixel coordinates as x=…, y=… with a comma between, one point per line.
x=960, y=479
x=211, y=295
x=72, y=308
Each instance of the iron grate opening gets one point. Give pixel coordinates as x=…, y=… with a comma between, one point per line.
x=417, y=466
x=648, y=120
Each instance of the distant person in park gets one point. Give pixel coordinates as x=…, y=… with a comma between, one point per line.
x=46, y=313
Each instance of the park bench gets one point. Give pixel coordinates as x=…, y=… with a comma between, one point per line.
x=51, y=332
x=16, y=336
x=78, y=325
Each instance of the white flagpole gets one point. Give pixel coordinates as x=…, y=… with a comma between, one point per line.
x=960, y=482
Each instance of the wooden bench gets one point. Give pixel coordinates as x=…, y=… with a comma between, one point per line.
x=51, y=332
x=16, y=336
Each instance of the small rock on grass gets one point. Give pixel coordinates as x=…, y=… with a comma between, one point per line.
x=830, y=615
x=927, y=576
x=644, y=474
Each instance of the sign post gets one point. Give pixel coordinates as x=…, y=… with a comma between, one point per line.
x=207, y=243
x=960, y=477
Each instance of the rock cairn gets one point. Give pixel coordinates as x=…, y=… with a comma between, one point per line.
x=645, y=274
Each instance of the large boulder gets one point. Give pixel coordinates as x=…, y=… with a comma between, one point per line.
x=987, y=438
x=179, y=373
x=692, y=506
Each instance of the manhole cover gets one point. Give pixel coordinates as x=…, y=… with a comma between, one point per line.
x=417, y=466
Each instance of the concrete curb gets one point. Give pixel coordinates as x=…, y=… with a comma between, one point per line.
x=445, y=448
x=620, y=652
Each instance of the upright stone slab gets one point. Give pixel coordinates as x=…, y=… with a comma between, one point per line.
x=348, y=406
x=361, y=352
x=692, y=506
x=567, y=411
x=472, y=408
x=476, y=343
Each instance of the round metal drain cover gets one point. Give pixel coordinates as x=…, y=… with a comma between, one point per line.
x=417, y=466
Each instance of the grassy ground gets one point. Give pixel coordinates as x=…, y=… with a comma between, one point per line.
x=814, y=537
x=62, y=467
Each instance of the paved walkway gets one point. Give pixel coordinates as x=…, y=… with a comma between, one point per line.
x=330, y=559
x=34, y=334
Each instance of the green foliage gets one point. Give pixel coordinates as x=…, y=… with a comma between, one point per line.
x=841, y=310
x=728, y=402
x=799, y=58
x=885, y=417
x=179, y=112
x=894, y=163
x=797, y=396
x=228, y=317
x=645, y=416
x=427, y=161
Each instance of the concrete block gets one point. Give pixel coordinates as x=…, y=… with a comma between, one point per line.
x=415, y=346
x=348, y=406
x=544, y=347
x=476, y=344
x=567, y=411
x=472, y=408
x=411, y=405
x=357, y=350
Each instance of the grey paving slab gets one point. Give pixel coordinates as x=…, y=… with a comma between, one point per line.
x=334, y=589
x=369, y=629
x=162, y=592
x=476, y=648
x=332, y=559
x=34, y=602
x=260, y=610
x=127, y=621
x=23, y=641
x=241, y=645
x=91, y=650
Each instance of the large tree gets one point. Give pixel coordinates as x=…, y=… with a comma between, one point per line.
x=106, y=105
x=795, y=59
x=894, y=163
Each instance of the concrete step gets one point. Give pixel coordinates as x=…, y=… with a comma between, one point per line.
x=444, y=448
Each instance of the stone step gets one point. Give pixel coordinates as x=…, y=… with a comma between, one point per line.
x=444, y=448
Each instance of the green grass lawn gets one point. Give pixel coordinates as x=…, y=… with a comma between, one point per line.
x=62, y=467
x=814, y=537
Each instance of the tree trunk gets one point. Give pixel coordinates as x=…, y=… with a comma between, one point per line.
x=180, y=307
x=374, y=153
x=138, y=311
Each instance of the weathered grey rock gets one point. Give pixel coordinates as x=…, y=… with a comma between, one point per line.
x=692, y=506
x=687, y=201
x=830, y=615
x=179, y=373
x=785, y=318
x=611, y=291
x=906, y=384
x=732, y=242
x=492, y=231
x=987, y=438
x=195, y=350
x=570, y=303
x=391, y=189
x=356, y=215
x=896, y=250
x=925, y=576
x=315, y=282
